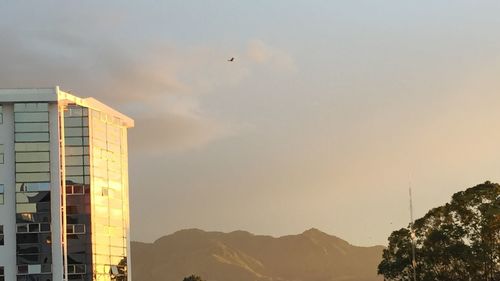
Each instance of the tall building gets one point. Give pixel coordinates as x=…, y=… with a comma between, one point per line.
x=64, y=212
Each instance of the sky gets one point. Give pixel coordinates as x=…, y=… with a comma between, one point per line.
x=329, y=111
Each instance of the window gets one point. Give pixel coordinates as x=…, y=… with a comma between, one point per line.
x=77, y=268
x=75, y=229
x=1, y=235
x=2, y=194
x=1, y=154
x=33, y=227
x=1, y=121
x=75, y=189
x=2, y=273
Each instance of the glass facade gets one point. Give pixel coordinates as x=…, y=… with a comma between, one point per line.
x=96, y=195
x=109, y=196
x=77, y=181
x=33, y=198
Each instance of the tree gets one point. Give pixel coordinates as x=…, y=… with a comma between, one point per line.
x=454, y=242
x=193, y=278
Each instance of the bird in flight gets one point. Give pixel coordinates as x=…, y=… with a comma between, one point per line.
x=231, y=59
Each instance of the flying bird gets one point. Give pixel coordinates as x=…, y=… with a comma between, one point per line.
x=231, y=59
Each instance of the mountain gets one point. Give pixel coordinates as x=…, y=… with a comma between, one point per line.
x=242, y=256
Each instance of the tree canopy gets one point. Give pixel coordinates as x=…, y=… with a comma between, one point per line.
x=193, y=278
x=454, y=242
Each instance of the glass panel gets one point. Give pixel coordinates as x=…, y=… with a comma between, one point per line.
x=75, y=151
x=31, y=127
x=31, y=137
x=34, y=268
x=74, y=160
x=32, y=197
x=35, y=186
x=75, y=111
x=70, y=122
x=74, y=132
x=34, y=227
x=32, y=156
x=74, y=141
x=31, y=107
x=32, y=167
x=75, y=171
x=22, y=228
x=31, y=117
x=22, y=269
x=79, y=228
x=32, y=177
x=44, y=227
x=75, y=179
x=35, y=146
x=26, y=208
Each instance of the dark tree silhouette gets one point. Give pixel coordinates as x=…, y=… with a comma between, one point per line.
x=193, y=278
x=454, y=242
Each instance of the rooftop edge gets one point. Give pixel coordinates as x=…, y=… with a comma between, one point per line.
x=56, y=95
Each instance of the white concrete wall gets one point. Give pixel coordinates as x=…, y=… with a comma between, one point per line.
x=8, y=210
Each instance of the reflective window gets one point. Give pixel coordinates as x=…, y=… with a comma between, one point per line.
x=31, y=107
x=31, y=127
x=76, y=269
x=1, y=115
x=32, y=146
x=2, y=190
x=75, y=229
x=32, y=157
x=22, y=228
x=32, y=197
x=32, y=177
x=22, y=269
x=70, y=122
x=75, y=189
x=32, y=167
x=97, y=233
x=1, y=154
x=31, y=137
x=32, y=117
x=1, y=235
x=32, y=187
x=110, y=196
x=33, y=228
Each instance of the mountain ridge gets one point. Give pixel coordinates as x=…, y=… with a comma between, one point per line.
x=240, y=255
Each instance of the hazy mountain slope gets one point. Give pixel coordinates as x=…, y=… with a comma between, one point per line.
x=242, y=256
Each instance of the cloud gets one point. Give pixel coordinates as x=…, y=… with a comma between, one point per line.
x=261, y=53
x=108, y=71
x=142, y=83
x=173, y=132
x=157, y=83
x=179, y=124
